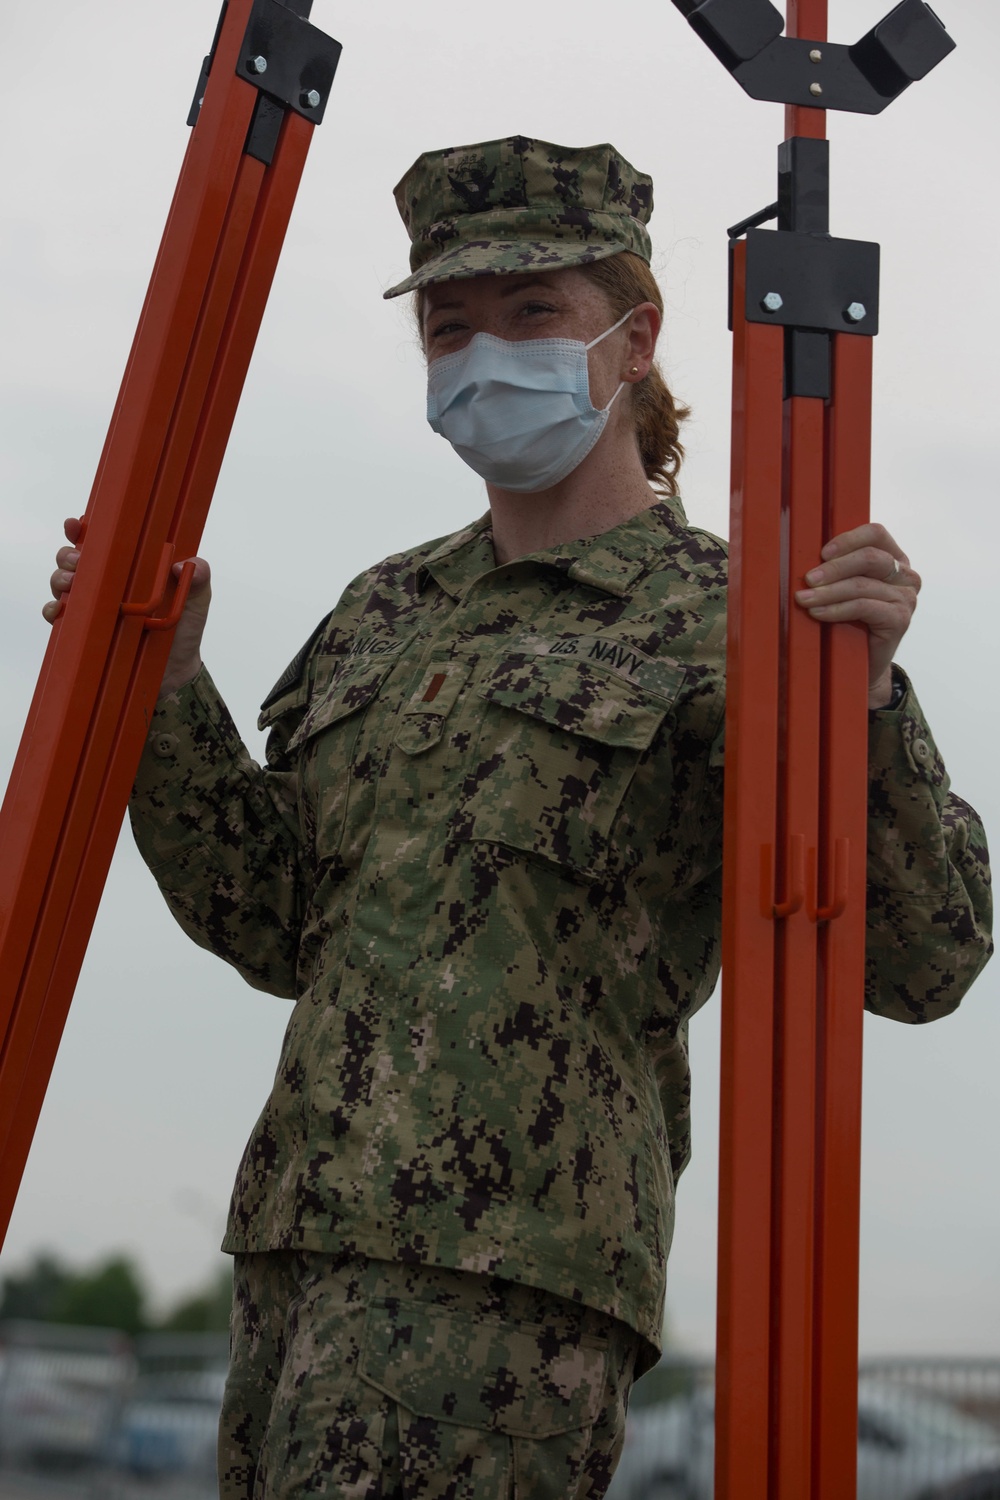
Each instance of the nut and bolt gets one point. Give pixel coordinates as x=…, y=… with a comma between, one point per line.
x=310, y=99
x=815, y=55
x=855, y=312
x=772, y=302
x=815, y=88
x=257, y=64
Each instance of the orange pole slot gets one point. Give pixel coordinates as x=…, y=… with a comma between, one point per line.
x=795, y=1000
x=744, y=1332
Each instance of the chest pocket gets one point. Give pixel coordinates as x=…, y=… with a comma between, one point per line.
x=338, y=747
x=559, y=745
x=355, y=682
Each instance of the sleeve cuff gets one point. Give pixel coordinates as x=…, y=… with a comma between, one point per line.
x=191, y=735
x=900, y=738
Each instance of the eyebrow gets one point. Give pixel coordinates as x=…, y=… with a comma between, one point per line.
x=517, y=285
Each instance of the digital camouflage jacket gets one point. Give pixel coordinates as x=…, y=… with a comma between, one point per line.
x=484, y=860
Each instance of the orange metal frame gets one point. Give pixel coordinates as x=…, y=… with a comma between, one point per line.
x=793, y=923
x=101, y=673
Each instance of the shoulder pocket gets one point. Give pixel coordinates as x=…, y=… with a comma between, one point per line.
x=286, y=705
x=559, y=743
x=292, y=687
x=353, y=683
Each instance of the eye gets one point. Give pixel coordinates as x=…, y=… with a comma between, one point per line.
x=448, y=329
x=532, y=309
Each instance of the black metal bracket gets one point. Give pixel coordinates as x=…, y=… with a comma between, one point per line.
x=290, y=62
x=799, y=276
x=812, y=281
x=746, y=37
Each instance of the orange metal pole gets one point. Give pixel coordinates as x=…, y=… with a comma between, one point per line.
x=842, y=948
x=107, y=765
x=154, y=484
x=59, y=718
x=839, y=892
x=744, y=1313
x=794, y=942
x=805, y=307
x=807, y=19
x=789, y=1431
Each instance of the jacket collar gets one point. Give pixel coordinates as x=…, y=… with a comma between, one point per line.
x=610, y=562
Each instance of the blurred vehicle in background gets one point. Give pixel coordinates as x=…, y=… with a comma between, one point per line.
x=984, y=1486
x=61, y=1392
x=910, y=1447
x=170, y=1425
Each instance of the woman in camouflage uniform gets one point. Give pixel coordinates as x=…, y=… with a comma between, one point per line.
x=483, y=857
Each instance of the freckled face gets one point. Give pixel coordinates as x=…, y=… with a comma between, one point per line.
x=563, y=304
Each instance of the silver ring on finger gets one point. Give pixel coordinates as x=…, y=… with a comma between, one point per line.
x=896, y=570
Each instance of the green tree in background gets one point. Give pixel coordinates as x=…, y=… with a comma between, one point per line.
x=35, y=1293
x=110, y=1295
x=206, y=1311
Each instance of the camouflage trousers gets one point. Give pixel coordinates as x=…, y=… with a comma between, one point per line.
x=369, y=1380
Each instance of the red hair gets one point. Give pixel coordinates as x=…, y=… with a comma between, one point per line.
x=626, y=280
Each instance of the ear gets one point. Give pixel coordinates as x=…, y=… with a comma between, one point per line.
x=642, y=329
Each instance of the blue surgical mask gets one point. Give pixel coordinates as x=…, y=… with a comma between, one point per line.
x=518, y=412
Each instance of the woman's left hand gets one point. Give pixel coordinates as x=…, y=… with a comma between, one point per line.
x=866, y=577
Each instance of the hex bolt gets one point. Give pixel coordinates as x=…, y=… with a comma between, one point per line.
x=815, y=55
x=310, y=99
x=815, y=88
x=257, y=64
x=772, y=302
x=855, y=312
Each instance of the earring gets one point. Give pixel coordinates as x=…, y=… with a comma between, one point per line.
x=634, y=370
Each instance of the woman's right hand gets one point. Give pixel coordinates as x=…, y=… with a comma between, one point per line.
x=185, y=653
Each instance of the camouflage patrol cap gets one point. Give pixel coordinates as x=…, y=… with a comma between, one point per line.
x=515, y=204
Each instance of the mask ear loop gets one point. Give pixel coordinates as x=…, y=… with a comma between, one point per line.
x=611, y=330
x=614, y=398
x=614, y=327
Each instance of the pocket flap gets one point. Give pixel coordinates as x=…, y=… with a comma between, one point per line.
x=482, y=1372
x=580, y=699
x=422, y=719
x=354, y=686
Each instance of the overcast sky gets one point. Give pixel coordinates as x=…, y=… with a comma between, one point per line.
x=167, y=1055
